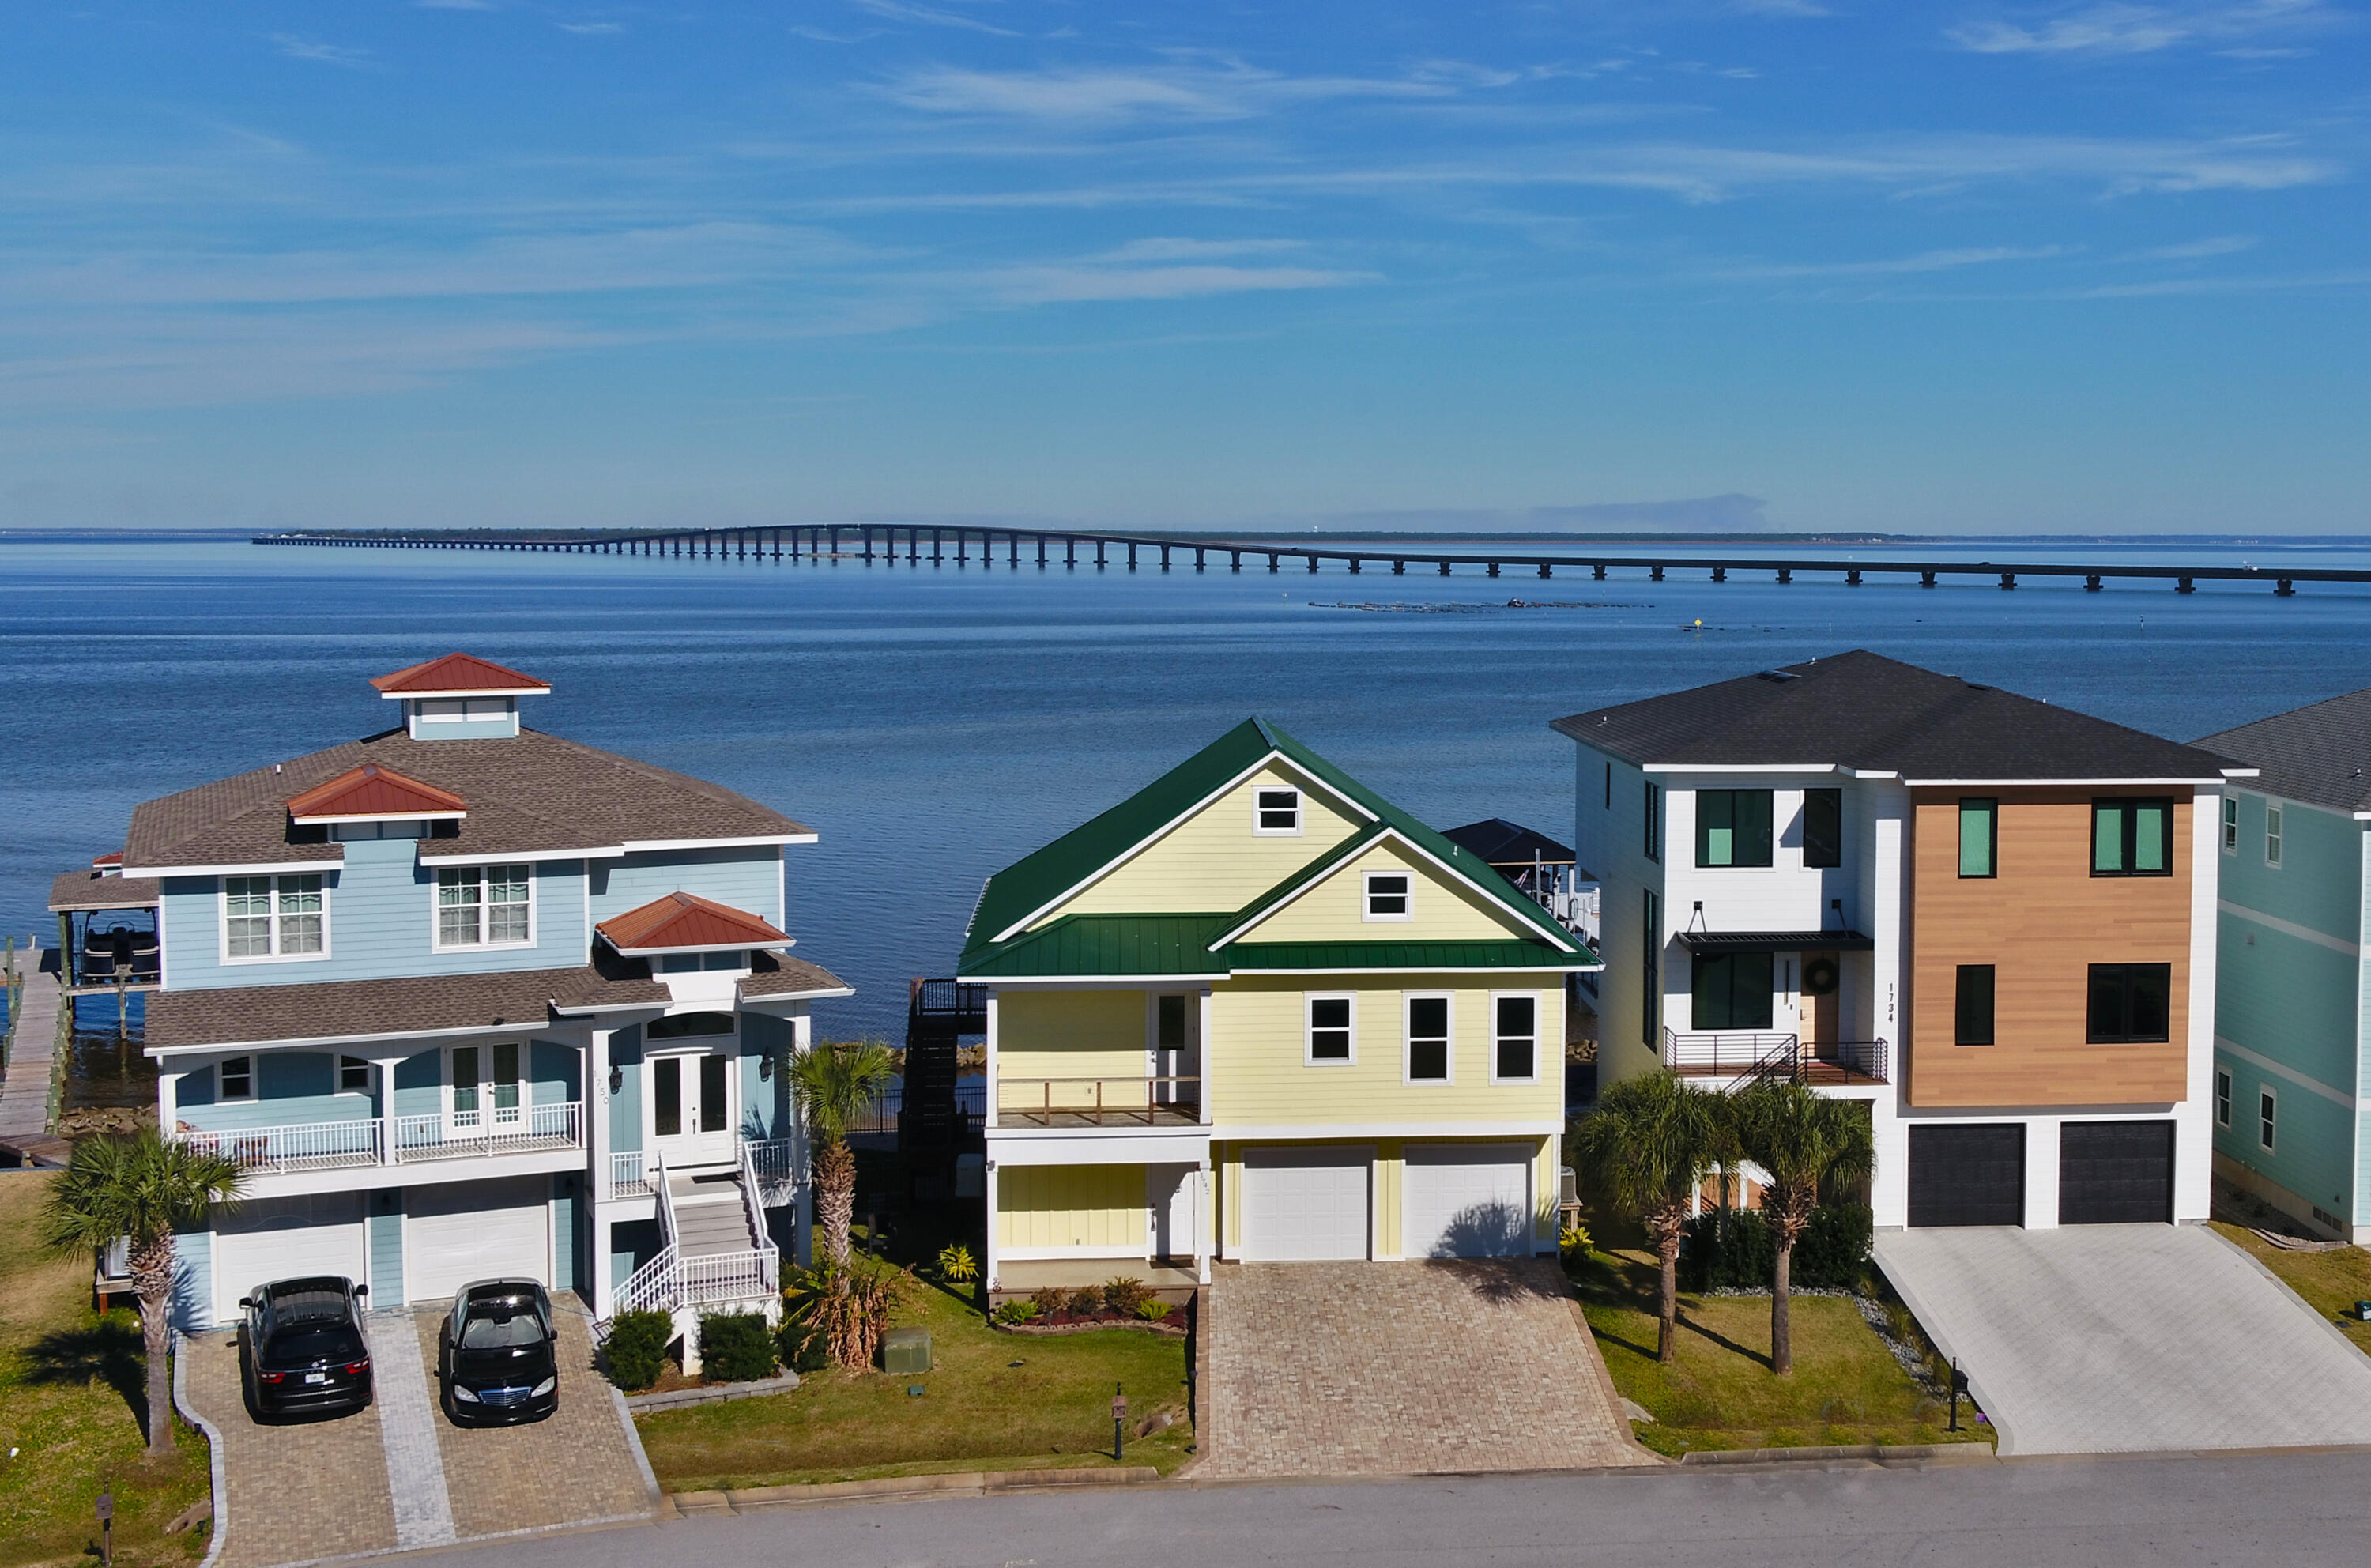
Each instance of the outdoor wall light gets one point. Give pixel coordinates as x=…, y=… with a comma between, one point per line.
x=765, y=1067
x=616, y=1078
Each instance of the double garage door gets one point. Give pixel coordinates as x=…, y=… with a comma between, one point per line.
x=2108, y=1173
x=1456, y=1201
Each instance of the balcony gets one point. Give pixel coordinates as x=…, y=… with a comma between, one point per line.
x=394, y=1140
x=774, y=1163
x=1736, y=1058
x=1099, y=1102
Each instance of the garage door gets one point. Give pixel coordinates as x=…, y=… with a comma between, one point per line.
x=2115, y=1174
x=1466, y=1200
x=1305, y=1204
x=271, y=1239
x=1967, y=1175
x=476, y=1231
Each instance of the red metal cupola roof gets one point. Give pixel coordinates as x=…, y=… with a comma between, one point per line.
x=684, y=922
x=459, y=674
x=372, y=792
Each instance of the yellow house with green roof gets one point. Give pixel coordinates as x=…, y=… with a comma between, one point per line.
x=1257, y=1012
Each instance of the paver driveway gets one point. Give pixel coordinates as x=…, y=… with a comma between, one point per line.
x=398, y=1475
x=1402, y=1369
x=2095, y=1338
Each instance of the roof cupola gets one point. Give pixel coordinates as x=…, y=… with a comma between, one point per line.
x=459, y=698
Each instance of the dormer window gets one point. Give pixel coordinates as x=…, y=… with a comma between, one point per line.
x=1278, y=811
x=1390, y=896
x=484, y=907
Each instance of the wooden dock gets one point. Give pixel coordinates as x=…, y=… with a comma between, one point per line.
x=26, y=1100
x=895, y=544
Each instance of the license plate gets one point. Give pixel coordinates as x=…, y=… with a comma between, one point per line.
x=316, y=1376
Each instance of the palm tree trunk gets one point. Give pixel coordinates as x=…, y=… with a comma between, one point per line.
x=1782, y=1343
x=835, y=1184
x=1667, y=1250
x=152, y=1283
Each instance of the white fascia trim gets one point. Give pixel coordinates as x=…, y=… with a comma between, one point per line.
x=2214, y=783
x=1741, y=767
x=776, y=945
x=2286, y=1072
x=1166, y=829
x=1435, y=968
x=464, y=691
x=2291, y=928
x=1394, y=835
x=587, y=1010
x=757, y=841
x=512, y=857
x=612, y=851
x=1869, y=772
x=759, y=1004
x=377, y=816
x=261, y=868
x=161, y=1052
x=1098, y=1146
x=2242, y=772
x=1087, y=982
x=1369, y=1131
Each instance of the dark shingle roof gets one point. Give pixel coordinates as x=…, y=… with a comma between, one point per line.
x=88, y=890
x=1504, y=842
x=2319, y=754
x=526, y=793
x=1861, y=711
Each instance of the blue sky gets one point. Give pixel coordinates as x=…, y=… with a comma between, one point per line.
x=1784, y=263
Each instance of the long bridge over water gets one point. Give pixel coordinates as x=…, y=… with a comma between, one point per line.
x=915, y=543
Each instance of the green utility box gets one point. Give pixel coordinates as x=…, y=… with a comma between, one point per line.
x=906, y=1350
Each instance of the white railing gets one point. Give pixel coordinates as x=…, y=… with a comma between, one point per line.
x=753, y=1211
x=306, y=1145
x=438, y=1136
x=383, y=1140
x=672, y=1280
x=629, y=1173
x=776, y=1163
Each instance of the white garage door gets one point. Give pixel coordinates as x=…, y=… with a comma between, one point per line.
x=274, y=1238
x=1305, y=1204
x=1466, y=1200
x=476, y=1231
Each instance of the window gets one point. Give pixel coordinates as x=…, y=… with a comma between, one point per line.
x=462, y=709
x=1823, y=829
x=693, y=963
x=483, y=905
x=1608, y=786
x=1388, y=896
x=1650, y=964
x=273, y=917
x=1654, y=810
x=1330, y=1029
x=2272, y=833
x=235, y=1078
x=353, y=1076
x=364, y=832
x=2132, y=838
x=1730, y=990
x=1277, y=811
x=486, y=1085
x=2230, y=824
x=2222, y=1098
x=1979, y=837
x=1732, y=827
x=2268, y=1107
x=2129, y=1002
x=1515, y=1054
x=1427, y=1040
x=687, y=1026
x=1973, y=1012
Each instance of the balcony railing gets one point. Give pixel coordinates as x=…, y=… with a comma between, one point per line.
x=1744, y=1056
x=391, y=1140
x=1098, y=1101
x=307, y=1145
x=631, y=1173
x=524, y=1130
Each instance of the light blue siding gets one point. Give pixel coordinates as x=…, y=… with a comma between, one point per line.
x=632, y=1243
x=765, y=1091
x=2287, y=998
x=563, y=1231
x=386, y=1249
x=291, y=1088
x=193, y=1279
x=468, y=730
x=557, y=1077
x=626, y=1105
x=420, y=1084
x=745, y=879
x=2317, y=883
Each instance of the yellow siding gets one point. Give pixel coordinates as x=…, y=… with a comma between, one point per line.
x=1256, y=1073
x=1441, y=908
x=1069, y=1205
x=1212, y=862
x=1067, y=1034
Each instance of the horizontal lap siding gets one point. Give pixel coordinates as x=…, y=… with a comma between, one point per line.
x=2313, y=1140
x=1214, y=863
x=748, y=878
x=1070, y=1205
x=1441, y=909
x=626, y=1104
x=292, y=1088
x=2285, y=997
x=2041, y=922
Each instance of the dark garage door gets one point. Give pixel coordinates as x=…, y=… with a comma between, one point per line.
x=1967, y=1175
x=2115, y=1174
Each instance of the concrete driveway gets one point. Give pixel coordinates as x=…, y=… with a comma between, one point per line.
x=2097, y=1339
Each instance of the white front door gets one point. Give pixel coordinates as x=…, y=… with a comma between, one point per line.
x=1169, y=1196
x=1466, y=1200
x=692, y=1099
x=1305, y=1204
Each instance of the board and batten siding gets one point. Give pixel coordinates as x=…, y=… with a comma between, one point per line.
x=1067, y=1034
x=1090, y=1207
x=2041, y=922
x=1214, y=863
x=1440, y=907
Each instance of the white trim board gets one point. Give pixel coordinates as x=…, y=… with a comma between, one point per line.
x=2289, y=928
x=1369, y=1132
x=2282, y=1070
x=1390, y=834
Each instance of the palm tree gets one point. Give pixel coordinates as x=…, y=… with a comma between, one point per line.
x=1804, y=1140
x=1644, y=1150
x=839, y=1083
x=144, y=1187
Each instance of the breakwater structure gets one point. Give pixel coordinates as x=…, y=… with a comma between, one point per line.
x=914, y=544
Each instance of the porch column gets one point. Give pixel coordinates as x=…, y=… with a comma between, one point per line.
x=385, y=1066
x=168, y=1101
x=1202, y=1060
x=988, y=1266
x=1204, y=1222
x=987, y=1111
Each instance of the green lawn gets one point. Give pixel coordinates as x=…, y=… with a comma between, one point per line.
x=70, y=1403
x=978, y=1411
x=2330, y=1281
x=1721, y=1393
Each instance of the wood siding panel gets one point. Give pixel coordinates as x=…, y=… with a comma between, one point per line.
x=1212, y=862
x=2042, y=923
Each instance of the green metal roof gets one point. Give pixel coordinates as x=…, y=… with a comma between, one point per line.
x=1246, y=957
x=1104, y=944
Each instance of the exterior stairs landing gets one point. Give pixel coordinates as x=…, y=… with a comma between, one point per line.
x=710, y=1215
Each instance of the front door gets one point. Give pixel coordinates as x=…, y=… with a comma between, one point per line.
x=691, y=1108
x=1822, y=979
x=1176, y=1060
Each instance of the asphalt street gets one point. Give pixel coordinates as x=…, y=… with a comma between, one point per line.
x=2081, y=1513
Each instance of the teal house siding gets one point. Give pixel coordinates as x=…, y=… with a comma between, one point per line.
x=420, y=1084
x=765, y=1088
x=291, y=1088
x=386, y=1249
x=626, y=1104
x=2317, y=884
x=2285, y=997
x=564, y=1224
x=555, y=1068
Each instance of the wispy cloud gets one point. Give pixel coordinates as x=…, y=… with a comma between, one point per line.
x=589, y=30
x=454, y=4
x=1049, y=285
x=1900, y=266
x=296, y=48
x=2122, y=27
x=2198, y=250
x=931, y=16
x=1232, y=91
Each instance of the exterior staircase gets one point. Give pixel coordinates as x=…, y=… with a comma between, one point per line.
x=931, y=1128
x=714, y=1250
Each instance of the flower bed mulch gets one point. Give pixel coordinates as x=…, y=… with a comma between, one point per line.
x=1068, y=1323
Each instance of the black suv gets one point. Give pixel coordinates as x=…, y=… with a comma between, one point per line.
x=304, y=1350
x=497, y=1361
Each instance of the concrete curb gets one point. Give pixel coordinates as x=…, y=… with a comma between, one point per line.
x=1881, y=1454
x=2329, y=1326
x=684, y=1398
x=217, y=1481
x=956, y=1483
x=2005, y=1439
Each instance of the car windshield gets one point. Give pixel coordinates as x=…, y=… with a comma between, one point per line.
x=314, y=1341
x=500, y=1325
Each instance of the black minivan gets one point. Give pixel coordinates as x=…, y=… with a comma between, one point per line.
x=304, y=1346
x=499, y=1360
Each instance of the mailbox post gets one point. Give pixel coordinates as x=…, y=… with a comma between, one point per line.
x=107, y=1530
x=1119, y=1422
x=1958, y=1386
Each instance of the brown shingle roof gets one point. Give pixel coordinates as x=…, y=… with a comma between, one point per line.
x=341, y=1009
x=527, y=793
x=782, y=975
x=456, y=672
x=88, y=890
x=687, y=920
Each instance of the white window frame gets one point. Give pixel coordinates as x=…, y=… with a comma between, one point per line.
x=2268, y=1117
x=1260, y=809
x=1367, y=895
x=2272, y=826
x=2223, y=1098
x=1408, y=1039
x=1309, y=1056
x=222, y=920
x=436, y=907
x=222, y=1096
x=345, y=1063
x=2230, y=824
x=461, y=710
x=1539, y=1020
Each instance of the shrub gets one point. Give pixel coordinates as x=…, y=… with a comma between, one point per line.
x=1127, y=1296
x=636, y=1351
x=1572, y=1241
x=844, y=1312
x=1016, y=1311
x=1049, y=1300
x=736, y=1347
x=1085, y=1301
x=957, y=1265
x=1740, y=1252
x=1153, y=1309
